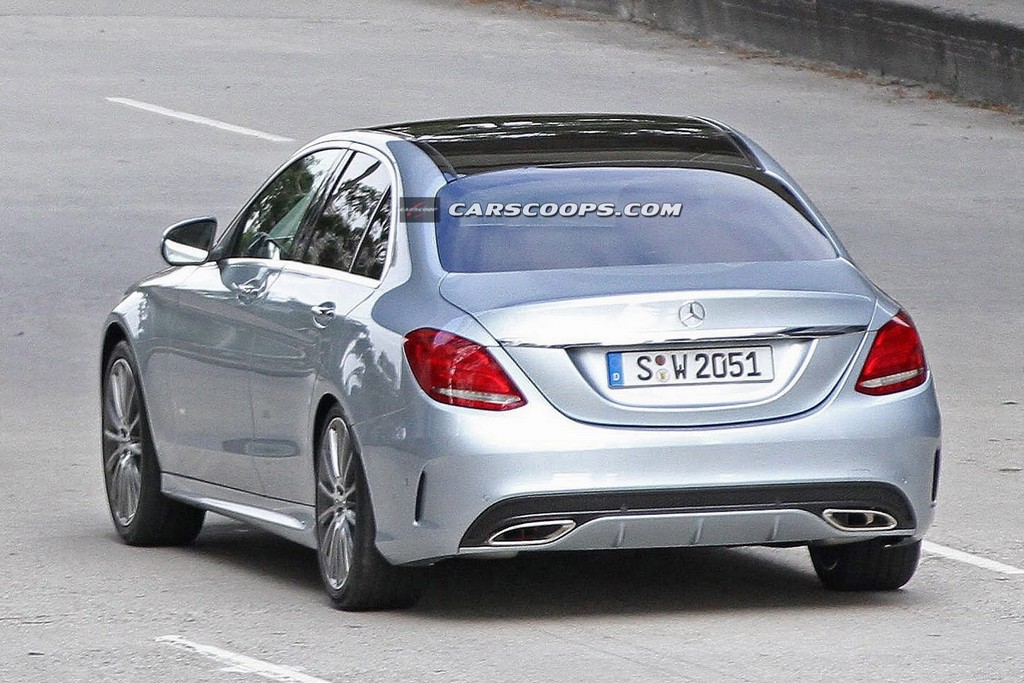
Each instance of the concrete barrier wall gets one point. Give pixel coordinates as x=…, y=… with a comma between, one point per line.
x=970, y=57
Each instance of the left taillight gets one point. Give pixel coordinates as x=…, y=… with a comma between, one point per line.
x=895, y=361
x=459, y=372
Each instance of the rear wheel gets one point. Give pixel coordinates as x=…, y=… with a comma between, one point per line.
x=355, y=575
x=142, y=515
x=866, y=566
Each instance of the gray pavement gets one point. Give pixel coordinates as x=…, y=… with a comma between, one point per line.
x=1006, y=11
x=970, y=48
x=926, y=195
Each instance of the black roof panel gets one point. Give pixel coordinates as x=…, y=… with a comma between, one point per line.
x=475, y=145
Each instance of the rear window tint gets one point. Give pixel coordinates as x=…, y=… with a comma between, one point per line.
x=701, y=216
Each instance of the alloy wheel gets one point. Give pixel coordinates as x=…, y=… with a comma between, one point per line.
x=122, y=441
x=336, y=503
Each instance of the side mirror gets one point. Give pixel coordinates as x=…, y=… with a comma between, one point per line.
x=189, y=243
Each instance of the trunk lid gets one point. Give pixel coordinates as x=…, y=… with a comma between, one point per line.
x=676, y=346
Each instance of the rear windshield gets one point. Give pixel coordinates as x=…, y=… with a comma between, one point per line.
x=544, y=219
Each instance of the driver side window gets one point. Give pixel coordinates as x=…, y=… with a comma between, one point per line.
x=274, y=216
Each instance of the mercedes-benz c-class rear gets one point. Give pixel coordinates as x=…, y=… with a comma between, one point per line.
x=522, y=334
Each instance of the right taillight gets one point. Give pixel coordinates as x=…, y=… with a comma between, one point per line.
x=459, y=372
x=895, y=361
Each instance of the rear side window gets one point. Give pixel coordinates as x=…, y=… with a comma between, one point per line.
x=373, y=251
x=542, y=219
x=337, y=236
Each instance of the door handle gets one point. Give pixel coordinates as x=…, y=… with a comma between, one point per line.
x=248, y=291
x=323, y=313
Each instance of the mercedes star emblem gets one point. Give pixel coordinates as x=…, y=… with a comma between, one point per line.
x=692, y=313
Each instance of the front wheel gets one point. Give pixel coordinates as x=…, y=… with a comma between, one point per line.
x=141, y=513
x=354, y=573
x=873, y=565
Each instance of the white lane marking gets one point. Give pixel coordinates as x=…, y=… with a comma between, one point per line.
x=967, y=558
x=241, y=663
x=202, y=120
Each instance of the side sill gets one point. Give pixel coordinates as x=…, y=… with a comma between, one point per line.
x=289, y=520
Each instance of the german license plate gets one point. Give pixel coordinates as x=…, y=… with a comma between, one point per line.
x=691, y=366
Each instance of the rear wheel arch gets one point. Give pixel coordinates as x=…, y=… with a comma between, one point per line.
x=323, y=409
x=345, y=524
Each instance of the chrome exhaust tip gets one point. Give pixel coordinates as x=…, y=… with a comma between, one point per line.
x=532, y=533
x=860, y=520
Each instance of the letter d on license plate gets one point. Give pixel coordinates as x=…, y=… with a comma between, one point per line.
x=691, y=366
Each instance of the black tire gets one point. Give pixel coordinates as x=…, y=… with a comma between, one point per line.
x=142, y=515
x=875, y=565
x=354, y=573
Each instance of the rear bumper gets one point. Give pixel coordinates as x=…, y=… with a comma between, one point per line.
x=690, y=516
x=456, y=476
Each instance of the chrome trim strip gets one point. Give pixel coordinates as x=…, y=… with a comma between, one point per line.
x=737, y=335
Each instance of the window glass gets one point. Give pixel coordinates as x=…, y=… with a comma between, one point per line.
x=545, y=218
x=338, y=232
x=272, y=219
x=374, y=249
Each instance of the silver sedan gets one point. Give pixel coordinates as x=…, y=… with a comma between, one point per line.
x=519, y=334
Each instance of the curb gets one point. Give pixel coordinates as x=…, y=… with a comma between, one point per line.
x=968, y=56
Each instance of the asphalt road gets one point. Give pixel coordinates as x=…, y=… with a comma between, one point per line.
x=926, y=194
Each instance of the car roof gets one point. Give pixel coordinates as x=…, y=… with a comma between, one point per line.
x=464, y=146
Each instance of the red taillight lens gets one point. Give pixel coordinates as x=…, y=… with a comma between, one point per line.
x=459, y=372
x=896, y=360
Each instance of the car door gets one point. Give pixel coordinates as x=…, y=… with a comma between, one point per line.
x=211, y=331
x=305, y=310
